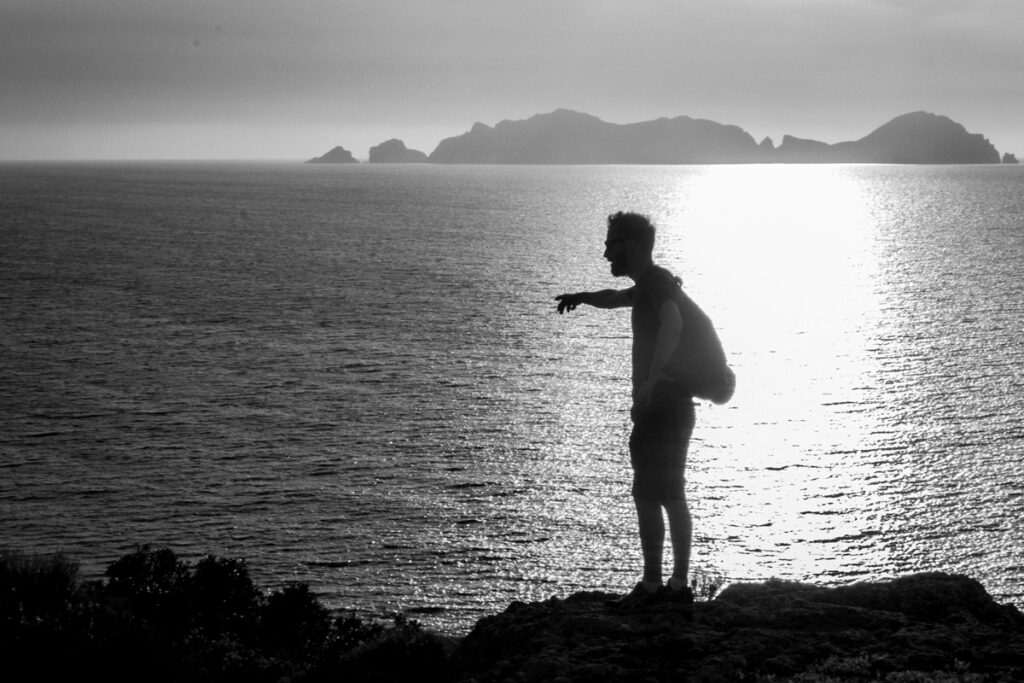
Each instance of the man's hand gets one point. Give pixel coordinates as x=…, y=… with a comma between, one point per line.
x=644, y=398
x=643, y=395
x=568, y=302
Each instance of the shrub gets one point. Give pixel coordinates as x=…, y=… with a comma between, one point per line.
x=294, y=624
x=148, y=588
x=223, y=598
x=704, y=585
x=158, y=618
x=404, y=652
x=35, y=590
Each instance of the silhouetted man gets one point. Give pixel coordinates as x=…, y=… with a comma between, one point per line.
x=663, y=410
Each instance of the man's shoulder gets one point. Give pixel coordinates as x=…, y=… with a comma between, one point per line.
x=664, y=274
x=660, y=280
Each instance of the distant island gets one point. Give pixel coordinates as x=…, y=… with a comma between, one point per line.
x=569, y=137
x=395, y=152
x=338, y=155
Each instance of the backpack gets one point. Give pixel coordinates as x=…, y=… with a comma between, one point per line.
x=699, y=364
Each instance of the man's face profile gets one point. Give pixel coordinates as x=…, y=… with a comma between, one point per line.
x=616, y=251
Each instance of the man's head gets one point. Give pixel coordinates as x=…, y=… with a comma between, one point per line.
x=630, y=243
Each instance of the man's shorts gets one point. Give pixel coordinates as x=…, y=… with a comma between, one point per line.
x=657, y=448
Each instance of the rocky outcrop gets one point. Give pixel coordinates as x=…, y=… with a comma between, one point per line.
x=338, y=155
x=923, y=627
x=395, y=152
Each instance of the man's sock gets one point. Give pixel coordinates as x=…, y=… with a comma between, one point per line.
x=676, y=584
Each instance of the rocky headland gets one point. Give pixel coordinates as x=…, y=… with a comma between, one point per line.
x=925, y=627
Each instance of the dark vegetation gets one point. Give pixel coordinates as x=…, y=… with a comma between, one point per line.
x=157, y=618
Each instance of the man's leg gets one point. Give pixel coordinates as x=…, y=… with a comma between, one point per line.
x=652, y=538
x=679, y=520
x=652, y=542
x=680, y=525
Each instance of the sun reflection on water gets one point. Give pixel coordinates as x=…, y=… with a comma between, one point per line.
x=785, y=263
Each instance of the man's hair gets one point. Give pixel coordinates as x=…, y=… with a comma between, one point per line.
x=635, y=225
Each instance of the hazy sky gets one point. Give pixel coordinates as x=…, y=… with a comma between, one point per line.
x=292, y=78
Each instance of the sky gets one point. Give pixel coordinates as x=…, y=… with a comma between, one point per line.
x=290, y=79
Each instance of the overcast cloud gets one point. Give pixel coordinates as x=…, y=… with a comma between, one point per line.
x=271, y=79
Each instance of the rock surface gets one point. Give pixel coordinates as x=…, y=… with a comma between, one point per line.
x=923, y=627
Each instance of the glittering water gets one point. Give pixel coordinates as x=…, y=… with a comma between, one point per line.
x=354, y=376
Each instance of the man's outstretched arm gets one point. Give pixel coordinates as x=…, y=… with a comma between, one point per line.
x=605, y=298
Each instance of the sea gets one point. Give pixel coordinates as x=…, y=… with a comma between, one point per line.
x=354, y=376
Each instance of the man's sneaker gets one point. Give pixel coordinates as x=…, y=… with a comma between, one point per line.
x=677, y=592
x=638, y=597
